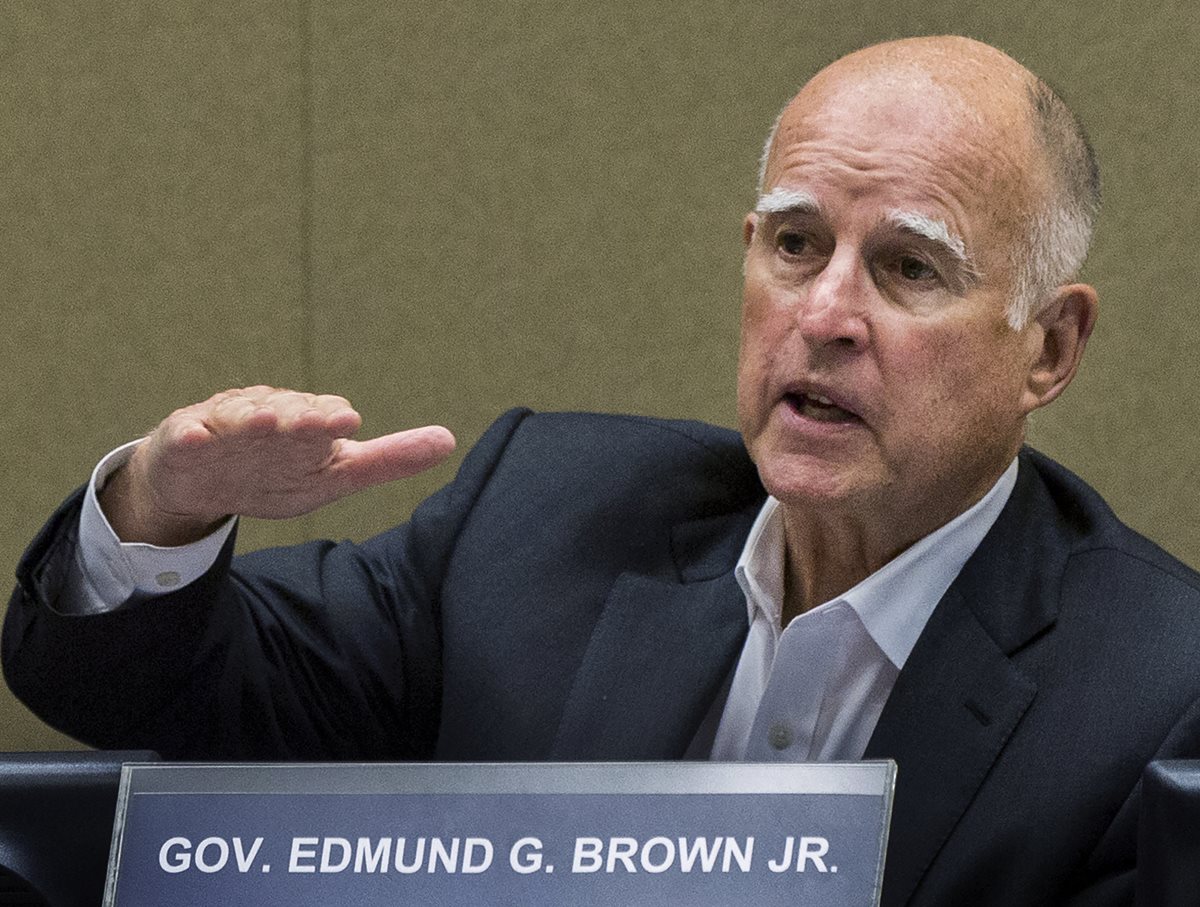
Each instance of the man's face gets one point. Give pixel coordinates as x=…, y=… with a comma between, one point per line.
x=877, y=371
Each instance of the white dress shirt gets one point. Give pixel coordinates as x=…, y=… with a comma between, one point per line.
x=810, y=692
x=813, y=691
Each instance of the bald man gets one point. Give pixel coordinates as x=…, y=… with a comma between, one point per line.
x=875, y=568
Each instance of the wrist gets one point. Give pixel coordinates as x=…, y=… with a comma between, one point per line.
x=128, y=506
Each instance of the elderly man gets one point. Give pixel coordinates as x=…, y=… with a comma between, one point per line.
x=887, y=574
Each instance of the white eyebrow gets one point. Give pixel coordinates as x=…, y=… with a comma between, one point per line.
x=931, y=229
x=780, y=200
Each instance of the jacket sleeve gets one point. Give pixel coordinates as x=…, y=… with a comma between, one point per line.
x=317, y=651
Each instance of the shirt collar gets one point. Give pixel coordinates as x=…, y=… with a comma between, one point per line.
x=895, y=602
x=759, y=570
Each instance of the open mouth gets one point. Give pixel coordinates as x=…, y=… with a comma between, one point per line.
x=819, y=408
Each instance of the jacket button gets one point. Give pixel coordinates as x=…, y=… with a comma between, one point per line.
x=780, y=735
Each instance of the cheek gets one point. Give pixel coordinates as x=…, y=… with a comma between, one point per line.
x=760, y=333
x=751, y=378
x=967, y=385
x=766, y=322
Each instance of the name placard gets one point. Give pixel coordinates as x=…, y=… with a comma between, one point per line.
x=583, y=834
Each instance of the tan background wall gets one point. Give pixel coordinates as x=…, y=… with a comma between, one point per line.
x=443, y=210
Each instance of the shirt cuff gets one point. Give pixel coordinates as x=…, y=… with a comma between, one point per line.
x=109, y=572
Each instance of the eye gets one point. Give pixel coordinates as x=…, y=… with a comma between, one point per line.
x=791, y=243
x=914, y=269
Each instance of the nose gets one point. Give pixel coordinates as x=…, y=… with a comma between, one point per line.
x=831, y=312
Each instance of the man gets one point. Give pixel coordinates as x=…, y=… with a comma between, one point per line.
x=916, y=586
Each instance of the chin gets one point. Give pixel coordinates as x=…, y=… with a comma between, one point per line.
x=807, y=480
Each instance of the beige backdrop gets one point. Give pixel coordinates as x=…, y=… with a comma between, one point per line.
x=443, y=210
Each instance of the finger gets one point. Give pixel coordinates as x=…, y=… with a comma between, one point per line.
x=311, y=414
x=184, y=430
x=330, y=404
x=295, y=410
x=261, y=410
x=341, y=419
x=312, y=423
x=236, y=415
x=361, y=464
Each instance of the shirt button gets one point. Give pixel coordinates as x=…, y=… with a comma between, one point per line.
x=780, y=735
x=167, y=579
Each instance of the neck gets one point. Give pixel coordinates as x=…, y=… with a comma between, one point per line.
x=824, y=560
x=829, y=550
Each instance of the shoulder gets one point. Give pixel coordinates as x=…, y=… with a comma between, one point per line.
x=613, y=482
x=609, y=433
x=1096, y=540
x=1133, y=605
x=1058, y=556
x=1121, y=654
x=605, y=454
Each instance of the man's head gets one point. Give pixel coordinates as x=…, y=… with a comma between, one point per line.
x=923, y=206
x=1056, y=237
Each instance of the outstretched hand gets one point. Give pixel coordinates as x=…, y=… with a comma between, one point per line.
x=258, y=451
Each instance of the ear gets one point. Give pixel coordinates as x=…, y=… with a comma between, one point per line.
x=1063, y=327
x=749, y=225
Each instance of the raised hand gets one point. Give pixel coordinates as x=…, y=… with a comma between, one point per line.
x=258, y=451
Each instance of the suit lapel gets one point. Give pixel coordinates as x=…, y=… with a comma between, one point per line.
x=960, y=697
x=952, y=710
x=660, y=651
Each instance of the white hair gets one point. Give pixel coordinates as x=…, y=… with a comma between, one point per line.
x=1055, y=248
x=1058, y=236
x=765, y=157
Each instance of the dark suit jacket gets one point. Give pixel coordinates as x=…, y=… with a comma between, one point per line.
x=571, y=596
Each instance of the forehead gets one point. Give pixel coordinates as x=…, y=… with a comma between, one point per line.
x=904, y=140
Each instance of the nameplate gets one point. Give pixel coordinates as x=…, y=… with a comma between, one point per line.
x=581, y=834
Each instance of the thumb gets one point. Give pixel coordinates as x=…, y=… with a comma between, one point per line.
x=361, y=464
